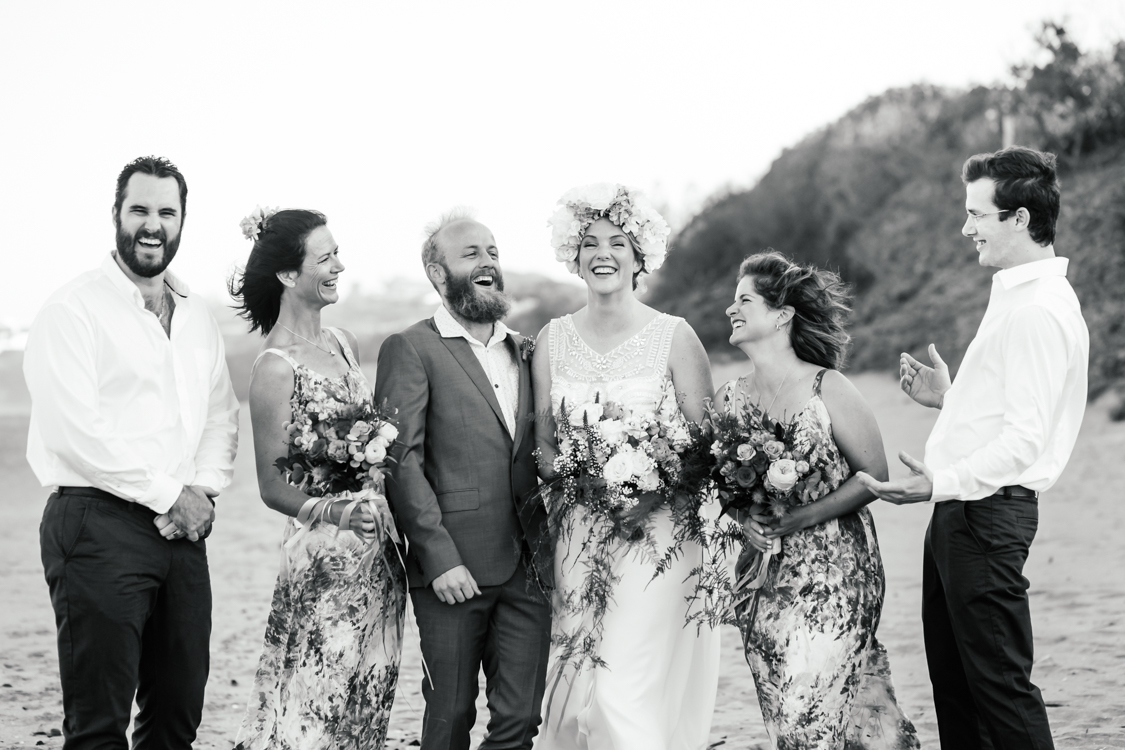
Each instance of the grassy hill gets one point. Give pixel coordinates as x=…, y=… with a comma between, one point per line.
x=877, y=195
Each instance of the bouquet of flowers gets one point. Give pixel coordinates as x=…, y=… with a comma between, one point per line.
x=618, y=466
x=754, y=465
x=338, y=449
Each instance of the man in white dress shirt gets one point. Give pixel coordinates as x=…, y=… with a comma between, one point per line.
x=1006, y=430
x=134, y=424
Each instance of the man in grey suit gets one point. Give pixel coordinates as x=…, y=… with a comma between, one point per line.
x=464, y=493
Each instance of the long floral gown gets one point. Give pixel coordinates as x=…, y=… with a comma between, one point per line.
x=329, y=665
x=656, y=690
x=823, y=679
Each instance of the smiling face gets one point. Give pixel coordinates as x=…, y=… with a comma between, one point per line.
x=148, y=224
x=606, y=258
x=316, y=284
x=468, y=272
x=751, y=319
x=997, y=242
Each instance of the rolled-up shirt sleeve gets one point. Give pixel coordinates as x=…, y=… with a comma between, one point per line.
x=59, y=367
x=214, y=459
x=1034, y=378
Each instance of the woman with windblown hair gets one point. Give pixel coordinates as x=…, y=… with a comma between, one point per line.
x=823, y=678
x=329, y=665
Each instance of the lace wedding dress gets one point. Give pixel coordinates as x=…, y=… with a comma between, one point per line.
x=655, y=688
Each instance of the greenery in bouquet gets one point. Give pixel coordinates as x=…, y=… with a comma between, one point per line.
x=337, y=447
x=753, y=464
x=614, y=468
x=339, y=450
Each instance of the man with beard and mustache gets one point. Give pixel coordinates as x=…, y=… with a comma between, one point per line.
x=134, y=424
x=463, y=488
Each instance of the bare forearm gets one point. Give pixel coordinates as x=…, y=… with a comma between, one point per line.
x=848, y=498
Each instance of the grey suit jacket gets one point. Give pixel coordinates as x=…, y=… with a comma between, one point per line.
x=463, y=490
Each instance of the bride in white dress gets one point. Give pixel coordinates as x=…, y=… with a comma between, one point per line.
x=655, y=686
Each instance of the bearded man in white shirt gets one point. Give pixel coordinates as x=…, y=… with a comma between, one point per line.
x=135, y=424
x=1006, y=430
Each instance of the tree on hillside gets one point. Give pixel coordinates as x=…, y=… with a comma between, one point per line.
x=1076, y=98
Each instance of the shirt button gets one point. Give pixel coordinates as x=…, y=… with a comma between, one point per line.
x=495, y=385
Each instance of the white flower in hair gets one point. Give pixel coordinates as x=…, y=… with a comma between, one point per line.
x=253, y=224
x=626, y=207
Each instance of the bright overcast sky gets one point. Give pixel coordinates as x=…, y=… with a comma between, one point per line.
x=383, y=115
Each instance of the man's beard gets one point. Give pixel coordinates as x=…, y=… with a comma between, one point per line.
x=475, y=306
x=127, y=250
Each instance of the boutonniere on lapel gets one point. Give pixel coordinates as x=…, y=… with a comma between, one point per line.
x=527, y=348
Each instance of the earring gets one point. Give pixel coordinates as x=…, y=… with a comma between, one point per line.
x=778, y=324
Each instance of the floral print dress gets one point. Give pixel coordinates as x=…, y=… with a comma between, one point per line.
x=823, y=679
x=329, y=665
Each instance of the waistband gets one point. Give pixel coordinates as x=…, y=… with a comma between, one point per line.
x=94, y=492
x=1016, y=491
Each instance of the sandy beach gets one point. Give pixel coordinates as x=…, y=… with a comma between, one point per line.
x=1075, y=569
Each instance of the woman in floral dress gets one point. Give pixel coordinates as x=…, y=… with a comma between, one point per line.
x=330, y=661
x=823, y=679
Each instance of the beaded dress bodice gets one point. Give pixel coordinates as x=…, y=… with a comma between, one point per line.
x=633, y=374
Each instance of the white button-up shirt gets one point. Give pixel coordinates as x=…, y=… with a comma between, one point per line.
x=500, y=365
x=1013, y=413
x=119, y=405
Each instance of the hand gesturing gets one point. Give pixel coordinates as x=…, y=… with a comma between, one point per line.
x=926, y=385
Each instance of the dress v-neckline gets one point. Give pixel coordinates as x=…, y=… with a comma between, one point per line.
x=574, y=329
x=797, y=415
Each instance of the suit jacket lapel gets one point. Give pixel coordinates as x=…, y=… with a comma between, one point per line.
x=463, y=353
x=525, y=409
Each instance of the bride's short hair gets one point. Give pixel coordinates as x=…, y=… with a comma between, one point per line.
x=819, y=299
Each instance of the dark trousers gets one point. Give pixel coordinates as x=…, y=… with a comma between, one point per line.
x=508, y=630
x=977, y=625
x=133, y=612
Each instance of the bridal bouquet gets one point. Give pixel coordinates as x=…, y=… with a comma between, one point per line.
x=335, y=449
x=755, y=465
x=614, y=468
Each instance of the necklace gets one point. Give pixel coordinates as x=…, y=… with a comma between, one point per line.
x=778, y=391
x=318, y=346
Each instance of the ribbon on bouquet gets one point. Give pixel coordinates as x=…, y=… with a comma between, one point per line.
x=751, y=579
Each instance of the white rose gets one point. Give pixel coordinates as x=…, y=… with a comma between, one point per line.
x=640, y=462
x=613, y=431
x=649, y=481
x=592, y=412
x=388, y=431
x=618, y=469
x=375, y=452
x=782, y=474
x=597, y=196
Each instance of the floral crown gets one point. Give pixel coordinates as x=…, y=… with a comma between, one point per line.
x=626, y=207
x=253, y=224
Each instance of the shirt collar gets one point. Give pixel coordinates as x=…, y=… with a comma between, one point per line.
x=450, y=328
x=1037, y=269
x=124, y=284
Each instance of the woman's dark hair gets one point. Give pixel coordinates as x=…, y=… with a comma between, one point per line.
x=1024, y=178
x=280, y=247
x=819, y=300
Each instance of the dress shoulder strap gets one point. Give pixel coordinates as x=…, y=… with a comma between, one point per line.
x=292, y=362
x=349, y=355
x=660, y=344
x=558, y=342
x=816, y=381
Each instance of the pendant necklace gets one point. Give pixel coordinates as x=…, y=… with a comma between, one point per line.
x=318, y=346
x=778, y=391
